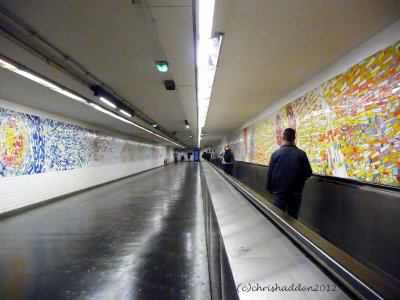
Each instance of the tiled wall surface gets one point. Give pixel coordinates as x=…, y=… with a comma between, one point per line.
x=349, y=125
x=42, y=158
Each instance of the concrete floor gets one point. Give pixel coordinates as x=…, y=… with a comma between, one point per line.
x=139, y=238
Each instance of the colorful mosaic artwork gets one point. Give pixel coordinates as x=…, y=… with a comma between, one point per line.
x=30, y=144
x=349, y=126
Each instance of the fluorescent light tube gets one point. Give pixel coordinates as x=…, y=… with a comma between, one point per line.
x=37, y=79
x=41, y=81
x=4, y=64
x=206, y=61
x=70, y=95
x=7, y=65
x=206, y=16
x=125, y=113
x=99, y=108
x=108, y=102
x=26, y=74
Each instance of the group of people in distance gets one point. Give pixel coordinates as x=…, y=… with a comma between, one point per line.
x=288, y=170
x=176, y=156
x=227, y=158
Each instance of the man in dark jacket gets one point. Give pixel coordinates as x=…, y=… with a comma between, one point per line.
x=227, y=159
x=288, y=169
x=208, y=155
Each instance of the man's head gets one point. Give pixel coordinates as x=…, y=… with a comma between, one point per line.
x=226, y=146
x=289, y=135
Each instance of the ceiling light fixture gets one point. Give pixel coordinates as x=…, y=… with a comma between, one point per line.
x=11, y=66
x=112, y=101
x=45, y=82
x=162, y=66
x=99, y=108
x=37, y=79
x=114, y=115
x=187, y=124
x=71, y=95
x=208, y=50
x=125, y=113
x=108, y=102
x=6, y=65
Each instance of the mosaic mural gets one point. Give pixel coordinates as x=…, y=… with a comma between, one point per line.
x=349, y=125
x=30, y=144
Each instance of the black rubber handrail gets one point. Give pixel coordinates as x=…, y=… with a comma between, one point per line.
x=359, y=279
x=335, y=179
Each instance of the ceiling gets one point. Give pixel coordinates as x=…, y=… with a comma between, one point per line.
x=270, y=48
x=273, y=46
x=117, y=42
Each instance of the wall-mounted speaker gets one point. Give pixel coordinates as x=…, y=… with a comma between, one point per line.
x=169, y=85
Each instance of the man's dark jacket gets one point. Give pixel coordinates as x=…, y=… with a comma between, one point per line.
x=288, y=170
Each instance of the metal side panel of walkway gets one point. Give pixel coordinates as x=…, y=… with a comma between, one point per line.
x=265, y=263
x=138, y=238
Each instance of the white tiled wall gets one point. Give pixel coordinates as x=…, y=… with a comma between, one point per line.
x=19, y=191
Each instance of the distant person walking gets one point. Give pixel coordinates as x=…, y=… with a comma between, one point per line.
x=227, y=159
x=213, y=156
x=176, y=157
x=288, y=170
x=208, y=155
x=189, y=155
x=182, y=158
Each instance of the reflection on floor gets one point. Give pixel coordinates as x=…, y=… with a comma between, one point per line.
x=140, y=238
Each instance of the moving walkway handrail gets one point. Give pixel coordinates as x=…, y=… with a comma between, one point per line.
x=349, y=181
x=359, y=279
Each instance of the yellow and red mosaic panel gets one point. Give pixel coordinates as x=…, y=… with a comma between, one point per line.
x=349, y=126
